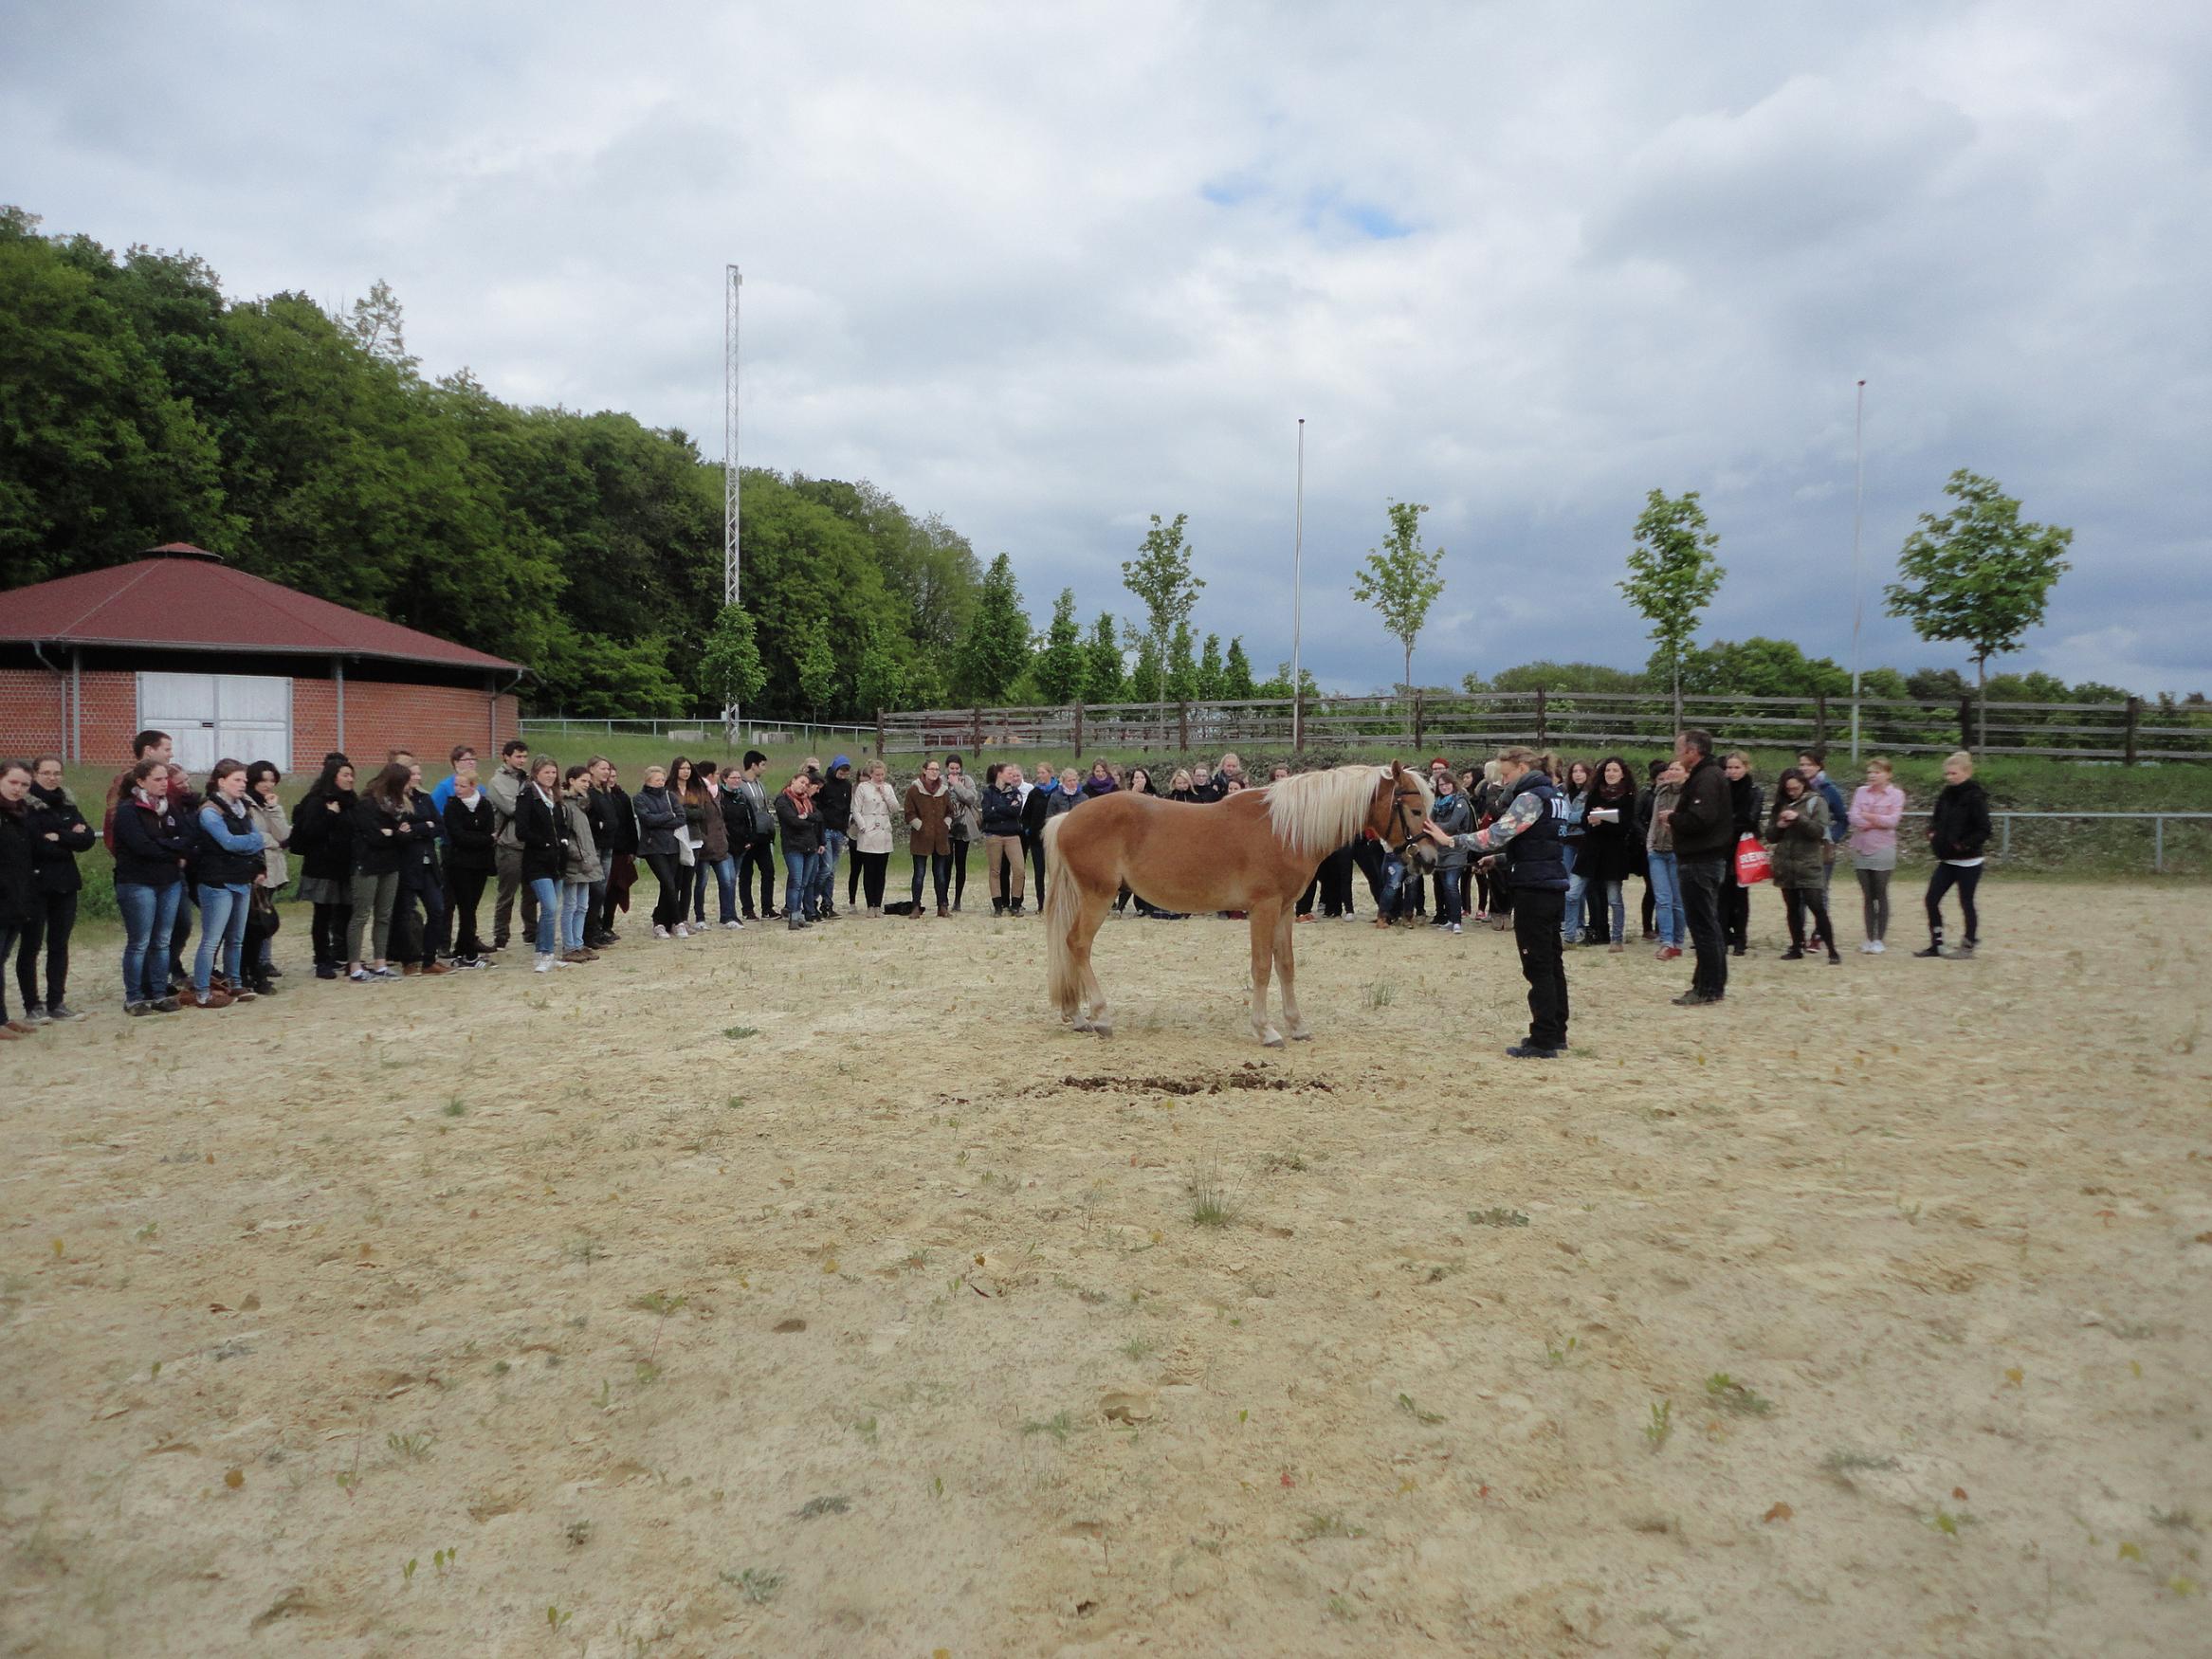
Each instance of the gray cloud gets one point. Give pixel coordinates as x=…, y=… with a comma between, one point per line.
x=1048, y=270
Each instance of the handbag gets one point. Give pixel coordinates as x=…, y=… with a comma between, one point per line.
x=261, y=919
x=1753, y=863
x=685, y=855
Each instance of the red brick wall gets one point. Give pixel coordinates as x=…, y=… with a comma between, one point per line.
x=380, y=715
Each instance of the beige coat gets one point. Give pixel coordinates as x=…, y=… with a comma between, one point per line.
x=933, y=814
x=875, y=812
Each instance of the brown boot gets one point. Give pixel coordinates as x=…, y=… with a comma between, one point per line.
x=942, y=912
x=917, y=913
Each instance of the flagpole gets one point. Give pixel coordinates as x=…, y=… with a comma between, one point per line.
x=1857, y=518
x=1297, y=603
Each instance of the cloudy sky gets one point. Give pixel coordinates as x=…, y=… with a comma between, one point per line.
x=1049, y=269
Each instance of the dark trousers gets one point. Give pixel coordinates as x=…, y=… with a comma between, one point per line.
x=419, y=921
x=1449, y=909
x=758, y=856
x=1537, y=914
x=1799, y=902
x=1368, y=859
x=509, y=864
x=959, y=872
x=327, y=930
x=468, y=893
x=1966, y=877
x=181, y=933
x=872, y=866
x=52, y=917
x=1735, y=907
x=1037, y=858
x=614, y=894
x=1702, y=883
x=10, y=933
x=940, y=866
x=667, y=904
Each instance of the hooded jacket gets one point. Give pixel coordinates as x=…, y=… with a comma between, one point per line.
x=322, y=833
x=802, y=825
x=967, y=806
x=505, y=788
x=1799, y=856
x=1958, y=828
x=875, y=814
x=1454, y=814
x=1036, y=807
x=53, y=813
x=660, y=816
x=834, y=800
x=471, y=832
x=151, y=843
x=928, y=815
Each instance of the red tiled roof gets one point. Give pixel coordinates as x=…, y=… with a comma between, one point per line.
x=199, y=604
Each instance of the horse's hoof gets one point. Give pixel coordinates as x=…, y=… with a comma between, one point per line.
x=1079, y=1026
x=1301, y=1036
x=1104, y=1030
x=1272, y=1039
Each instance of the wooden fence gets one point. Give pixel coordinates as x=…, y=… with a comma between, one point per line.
x=1459, y=721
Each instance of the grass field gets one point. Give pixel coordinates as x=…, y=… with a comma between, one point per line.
x=817, y=1294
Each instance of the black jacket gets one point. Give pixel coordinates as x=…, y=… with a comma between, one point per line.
x=801, y=832
x=660, y=816
x=1608, y=851
x=52, y=812
x=833, y=801
x=1035, y=808
x=324, y=839
x=418, y=858
x=1748, y=803
x=1704, y=818
x=376, y=847
x=18, y=885
x=737, y=816
x=152, y=843
x=621, y=821
x=1958, y=826
x=545, y=834
x=472, y=833
x=1002, y=810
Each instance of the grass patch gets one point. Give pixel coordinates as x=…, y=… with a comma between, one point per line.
x=1495, y=1216
x=738, y=1034
x=1318, y=1526
x=1382, y=993
x=1844, y=1463
x=1211, y=1205
x=1059, y=1426
x=1405, y=1404
x=814, y=1508
x=1731, y=1396
x=1661, y=1424
x=754, y=1584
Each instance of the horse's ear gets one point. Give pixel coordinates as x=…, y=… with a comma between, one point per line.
x=1397, y=770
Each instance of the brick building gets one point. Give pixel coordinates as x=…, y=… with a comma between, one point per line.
x=231, y=665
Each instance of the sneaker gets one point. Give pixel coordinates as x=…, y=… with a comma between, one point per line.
x=326, y=970
x=543, y=965
x=610, y=938
x=1456, y=927
x=1534, y=1051
x=1696, y=999
x=575, y=958
x=34, y=1016
x=734, y=923
x=463, y=964
x=387, y=972
x=436, y=968
x=1835, y=960
x=1932, y=950
x=660, y=932
x=137, y=1008
x=793, y=923
x=1874, y=947
x=1668, y=953
x=364, y=977
x=1963, y=953
x=165, y=1005
x=682, y=931
x=1795, y=954
x=242, y=994
x=1613, y=949
x=211, y=999
x=1869, y=948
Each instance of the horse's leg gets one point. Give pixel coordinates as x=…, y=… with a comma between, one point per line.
x=1266, y=916
x=1095, y=906
x=1285, y=970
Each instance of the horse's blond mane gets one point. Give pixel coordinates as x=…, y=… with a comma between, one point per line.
x=1316, y=812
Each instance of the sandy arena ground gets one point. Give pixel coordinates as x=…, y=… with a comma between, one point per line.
x=885, y=1327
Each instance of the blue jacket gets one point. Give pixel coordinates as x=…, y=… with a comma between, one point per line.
x=1838, y=819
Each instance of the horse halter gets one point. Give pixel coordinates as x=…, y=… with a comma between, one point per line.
x=1404, y=824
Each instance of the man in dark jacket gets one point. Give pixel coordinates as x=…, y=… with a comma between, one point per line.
x=1703, y=825
x=620, y=847
x=1527, y=829
x=758, y=852
x=833, y=801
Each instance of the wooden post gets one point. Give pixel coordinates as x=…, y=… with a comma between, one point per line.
x=880, y=749
x=1421, y=722
x=2134, y=713
x=1079, y=731
x=1966, y=724
x=1298, y=720
x=1820, y=717
x=1542, y=727
x=976, y=733
x=1183, y=726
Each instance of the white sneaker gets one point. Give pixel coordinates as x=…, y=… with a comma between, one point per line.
x=660, y=932
x=543, y=965
x=1874, y=947
x=1456, y=927
x=683, y=932
x=734, y=923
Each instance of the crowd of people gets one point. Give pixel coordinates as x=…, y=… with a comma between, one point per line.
x=395, y=876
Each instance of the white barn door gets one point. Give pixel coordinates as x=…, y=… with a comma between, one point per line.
x=244, y=717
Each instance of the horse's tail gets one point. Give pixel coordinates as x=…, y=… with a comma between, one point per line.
x=1063, y=906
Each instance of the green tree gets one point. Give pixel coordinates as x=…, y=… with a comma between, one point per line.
x=377, y=324
x=1236, y=671
x=602, y=678
x=1162, y=579
x=1400, y=579
x=1672, y=572
x=1103, y=679
x=1059, y=664
x=1548, y=675
x=817, y=673
x=1758, y=667
x=1182, y=667
x=1210, y=670
x=997, y=648
x=1977, y=576
x=730, y=668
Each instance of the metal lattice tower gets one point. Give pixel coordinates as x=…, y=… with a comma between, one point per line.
x=733, y=281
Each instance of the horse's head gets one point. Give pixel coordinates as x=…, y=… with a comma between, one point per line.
x=1401, y=804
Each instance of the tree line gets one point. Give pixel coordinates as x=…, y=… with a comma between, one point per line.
x=141, y=405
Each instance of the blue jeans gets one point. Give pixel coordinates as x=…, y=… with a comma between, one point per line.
x=726, y=882
x=149, y=917
x=1666, y=880
x=576, y=902
x=1392, y=886
x=1448, y=881
x=1617, y=908
x=547, y=892
x=826, y=869
x=800, y=896
x=1571, y=928
x=222, y=932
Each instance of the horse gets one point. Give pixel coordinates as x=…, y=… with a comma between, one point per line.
x=1254, y=851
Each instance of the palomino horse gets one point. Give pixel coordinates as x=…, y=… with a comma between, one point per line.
x=1253, y=852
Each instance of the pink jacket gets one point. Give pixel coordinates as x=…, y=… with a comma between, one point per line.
x=1875, y=816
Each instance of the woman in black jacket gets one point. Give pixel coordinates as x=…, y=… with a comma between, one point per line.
x=152, y=842
x=1747, y=809
x=1002, y=852
x=381, y=818
x=659, y=822
x=1609, y=834
x=542, y=821
x=423, y=937
x=1958, y=830
x=18, y=880
x=471, y=857
x=322, y=836
x=59, y=831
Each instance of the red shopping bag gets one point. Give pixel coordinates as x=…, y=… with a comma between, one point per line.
x=1752, y=862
